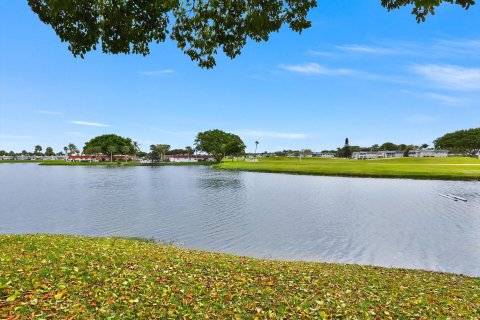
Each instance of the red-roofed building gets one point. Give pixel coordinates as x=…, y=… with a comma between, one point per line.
x=97, y=158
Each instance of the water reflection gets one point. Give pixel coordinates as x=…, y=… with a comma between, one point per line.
x=401, y=223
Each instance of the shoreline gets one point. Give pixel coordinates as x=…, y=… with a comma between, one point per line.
x=127, y=277
x=448, y=169
x=294, y=168
x=352, y=175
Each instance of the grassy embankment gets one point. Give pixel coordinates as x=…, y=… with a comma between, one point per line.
x=454, y=168
x=20, y=161
x=45, y=276
x=120, y=163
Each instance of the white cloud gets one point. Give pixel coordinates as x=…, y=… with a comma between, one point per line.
x=448, y=100
x=368, y=49
x=157, y=73
x=315, y=68
x=53, y=113
x=449, y=76
x=271, y=134
x=90, y=124
x=457, y=47
x=326, y=54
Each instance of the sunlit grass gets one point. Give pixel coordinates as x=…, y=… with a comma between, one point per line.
x=455, y=168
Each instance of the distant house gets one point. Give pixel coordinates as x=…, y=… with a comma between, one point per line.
x=377, y=154
x=428, y=153
x=97, y=158
x=323, y=154
x=190, y=158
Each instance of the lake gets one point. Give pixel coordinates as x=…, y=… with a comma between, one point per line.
x=384, y=222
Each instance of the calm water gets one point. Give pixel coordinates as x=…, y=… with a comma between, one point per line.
x=386, y=222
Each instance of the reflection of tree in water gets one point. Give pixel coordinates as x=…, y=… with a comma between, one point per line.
x=222, y=181
x=223, y=202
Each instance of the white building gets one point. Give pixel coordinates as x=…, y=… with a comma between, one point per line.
x=426, y=153
x=377, y=154
x=323, y=154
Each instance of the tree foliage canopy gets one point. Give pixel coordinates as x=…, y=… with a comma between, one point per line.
x=422, y=8
x=464, y=141
x=219, y=144
x=105, y=142
x=200, y=27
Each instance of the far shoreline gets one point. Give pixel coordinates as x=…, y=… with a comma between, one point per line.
x=292, y=166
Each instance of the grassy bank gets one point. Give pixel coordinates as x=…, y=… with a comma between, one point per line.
x=454, y=168
x=20, y=161
x=120, y=163
x=63, y=276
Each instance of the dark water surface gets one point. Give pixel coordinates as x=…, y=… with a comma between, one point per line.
x=385, y=222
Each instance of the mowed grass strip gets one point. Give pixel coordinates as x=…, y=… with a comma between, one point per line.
x=452, y=168
x=49, y=276
x=121, y=163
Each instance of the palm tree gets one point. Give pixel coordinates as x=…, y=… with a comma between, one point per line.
x=189, y=150
x=255, y=156
x=126, y=150
x=111, y=150
x=66, y=152
x=135, y=147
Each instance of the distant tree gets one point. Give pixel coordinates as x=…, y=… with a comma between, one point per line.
x=111, y=150
x=24, y=152
x=3, y=153
x=142, y=154
x=106, y=140
x=97, y=150
x=162, y=150
x=375, y=147
x=256, y=145
x=154, y=154
x=38, y=150
x=189, y=151
x=126, y=151
x=463, y=141
x=200, y=28
x=49, y=151
x=389, y=146
x=73, y=148
x=177, y=151
x=346, y=151
x=135, y=149
x=424, y=146
x=219, y=144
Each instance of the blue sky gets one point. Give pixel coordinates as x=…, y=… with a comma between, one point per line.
x=359, y=72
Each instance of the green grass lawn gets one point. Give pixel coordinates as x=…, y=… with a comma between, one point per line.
x=20, y=161
x=46, y=276
x=120, y=163
x=454, y=168
x=102, y=163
